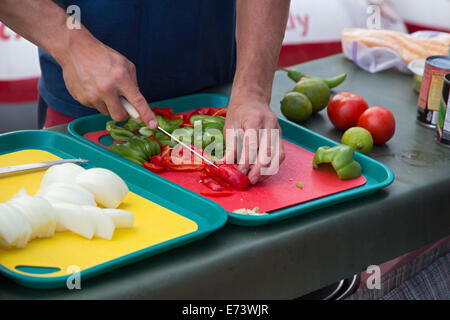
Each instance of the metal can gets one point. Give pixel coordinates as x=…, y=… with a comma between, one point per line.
x=443, y=123
x=430, y=92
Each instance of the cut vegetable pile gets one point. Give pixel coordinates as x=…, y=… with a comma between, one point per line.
x=66, y=201
x=156, y=152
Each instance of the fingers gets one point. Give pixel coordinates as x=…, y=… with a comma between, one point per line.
x=115, y=108
x=232, y=144
x=250, y=145
x=270, y=151
x=131, y=92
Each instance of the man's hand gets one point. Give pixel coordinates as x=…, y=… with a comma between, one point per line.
x=97, y=76
x=258, y=47
x=258, y=151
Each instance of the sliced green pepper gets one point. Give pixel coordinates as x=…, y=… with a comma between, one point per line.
x=148, y=146
x=145, y=131
x=168, y=125
x=126, y=150
x=185, y=134
x=341, y=158
x=208, y=119
x=132, y=125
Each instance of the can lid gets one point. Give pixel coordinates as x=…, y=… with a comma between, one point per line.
x=441, y=62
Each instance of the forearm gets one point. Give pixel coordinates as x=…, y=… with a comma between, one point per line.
x=43, y=23
x=260, y=26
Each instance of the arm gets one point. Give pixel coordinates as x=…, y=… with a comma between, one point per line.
x=94, y=74
x=260, y=30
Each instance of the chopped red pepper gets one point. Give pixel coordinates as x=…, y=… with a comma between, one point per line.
x=217, y=194
x=230, y=174
x=190, y=162
x=165, y=112
x=221, y=112
x=186, y=116
x=153, y=167
x=211, y=175
x=211, y=183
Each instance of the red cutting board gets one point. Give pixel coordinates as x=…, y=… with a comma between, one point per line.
x=276, y=192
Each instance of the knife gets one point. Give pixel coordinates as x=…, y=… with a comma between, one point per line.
x=135, y=115
x=24, y=168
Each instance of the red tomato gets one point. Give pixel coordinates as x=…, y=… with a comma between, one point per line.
x=345, y=108
x=380, y=122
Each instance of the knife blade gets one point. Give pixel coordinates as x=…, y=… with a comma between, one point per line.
x=134, y=114
x=23, y=168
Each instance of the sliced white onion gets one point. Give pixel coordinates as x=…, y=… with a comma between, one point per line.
x=104, y=225
x=39, y=214
x=15, y=230
x=74, y=218
x=21, y=192
x=106, y=186
x=67, y=193
x=65, y=173
x=121, y=218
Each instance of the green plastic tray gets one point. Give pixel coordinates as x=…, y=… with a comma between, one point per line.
x=377, y=174
x=208, y=215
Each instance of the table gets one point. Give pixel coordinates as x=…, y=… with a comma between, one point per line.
x=291, y=258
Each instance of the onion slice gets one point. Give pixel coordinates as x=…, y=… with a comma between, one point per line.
x=104, y=225
x=39, y=214
x=67, y=193
x=106, y=186
x=121, y=218
x=15, y=230
x=75, y=219
x=61, y=173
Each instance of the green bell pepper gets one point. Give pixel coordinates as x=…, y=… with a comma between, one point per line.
x=146, y=131
x=186, y=134
x=118, y=133
x=296, y=75
x=148, y=146
x=128, y=151
x=220, y=121
x=168, y=125
x=132, y=124
x=341, y=158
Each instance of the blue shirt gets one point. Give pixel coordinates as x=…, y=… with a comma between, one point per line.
x=178, y=46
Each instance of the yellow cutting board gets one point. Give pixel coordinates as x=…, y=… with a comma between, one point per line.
x=67, y=251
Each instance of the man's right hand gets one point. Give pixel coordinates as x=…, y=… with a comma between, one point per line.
x=97, y=76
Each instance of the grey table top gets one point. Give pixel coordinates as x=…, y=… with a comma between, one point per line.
x=291, y=258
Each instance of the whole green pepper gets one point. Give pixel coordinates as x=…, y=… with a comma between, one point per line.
x=341, y=158
x=296, y=75
x=126, y=150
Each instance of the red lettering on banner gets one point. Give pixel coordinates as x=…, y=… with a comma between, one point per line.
x=3, y=35
x=304, y=22
x=291, y=22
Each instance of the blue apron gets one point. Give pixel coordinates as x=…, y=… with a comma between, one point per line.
x=178, y=46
